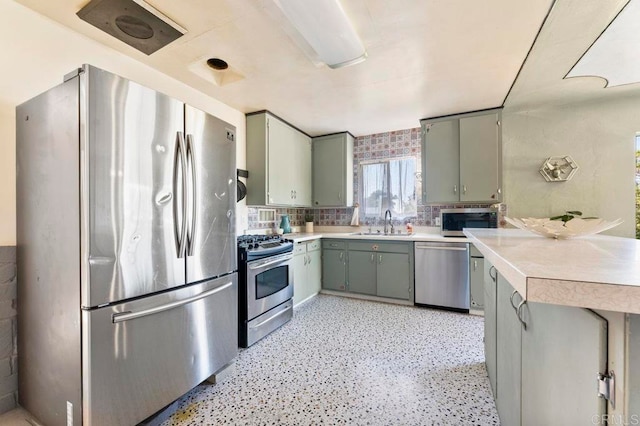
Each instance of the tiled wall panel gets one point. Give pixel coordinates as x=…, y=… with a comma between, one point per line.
x=8, y=330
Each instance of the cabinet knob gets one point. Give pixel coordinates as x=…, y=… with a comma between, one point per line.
x=455, y=189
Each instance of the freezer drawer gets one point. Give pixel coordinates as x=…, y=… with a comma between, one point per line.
x=142, y=355
x=442, y=275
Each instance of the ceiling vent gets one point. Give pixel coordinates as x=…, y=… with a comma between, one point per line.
x=132, y=21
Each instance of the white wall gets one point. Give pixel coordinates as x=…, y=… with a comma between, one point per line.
x=7, y=177
x=600, y=138
x=37, y=52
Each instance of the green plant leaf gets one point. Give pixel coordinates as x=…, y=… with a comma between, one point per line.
x=575, y=212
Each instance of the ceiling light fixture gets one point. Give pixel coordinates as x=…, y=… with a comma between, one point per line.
x=327, y=29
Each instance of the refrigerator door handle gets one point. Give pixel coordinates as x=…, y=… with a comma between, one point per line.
x=179, y=156
x=191, y=235
x=129, y=315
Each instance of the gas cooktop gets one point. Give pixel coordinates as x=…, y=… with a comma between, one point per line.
x=252, y=247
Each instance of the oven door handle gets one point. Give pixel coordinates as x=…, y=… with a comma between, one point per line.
x=269, y=263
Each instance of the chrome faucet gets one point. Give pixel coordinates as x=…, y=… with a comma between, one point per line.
x=386, y=229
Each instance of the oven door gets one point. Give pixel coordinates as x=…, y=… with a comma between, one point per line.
x=269, y=283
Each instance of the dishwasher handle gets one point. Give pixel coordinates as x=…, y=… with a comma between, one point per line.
x=441, y=248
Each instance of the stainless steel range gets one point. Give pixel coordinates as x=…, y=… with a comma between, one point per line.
x=265, y=288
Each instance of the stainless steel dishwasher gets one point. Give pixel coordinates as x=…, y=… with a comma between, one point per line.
x=442, y=275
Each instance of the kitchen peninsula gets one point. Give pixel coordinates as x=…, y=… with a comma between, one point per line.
x=597, y=272
x=561, y=334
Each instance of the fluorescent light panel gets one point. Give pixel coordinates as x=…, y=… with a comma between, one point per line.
x=325, y=26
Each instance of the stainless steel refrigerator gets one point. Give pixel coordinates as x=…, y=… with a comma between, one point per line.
x=126, y=250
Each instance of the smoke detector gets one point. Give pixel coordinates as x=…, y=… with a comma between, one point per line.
x=134, y=22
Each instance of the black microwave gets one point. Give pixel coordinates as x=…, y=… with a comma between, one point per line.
x=452, y=221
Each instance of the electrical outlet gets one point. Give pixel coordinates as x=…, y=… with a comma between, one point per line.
x=437, y=220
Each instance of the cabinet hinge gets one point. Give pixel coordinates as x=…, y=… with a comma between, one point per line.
x=607, y=387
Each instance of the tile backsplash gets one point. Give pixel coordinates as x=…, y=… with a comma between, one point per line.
x=379, y=146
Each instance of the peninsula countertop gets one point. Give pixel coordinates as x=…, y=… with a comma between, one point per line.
x=596, y=272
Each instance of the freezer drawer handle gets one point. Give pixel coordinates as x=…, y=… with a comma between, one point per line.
x=126, y=316
x=441, y=248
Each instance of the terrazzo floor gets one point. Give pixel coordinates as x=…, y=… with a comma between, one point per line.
x=352, y=362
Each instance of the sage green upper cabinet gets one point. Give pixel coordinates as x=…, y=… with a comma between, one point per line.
x=462, y=158
x=441, y=161
x=480, y=158
x=279, y=163
x=333, y=170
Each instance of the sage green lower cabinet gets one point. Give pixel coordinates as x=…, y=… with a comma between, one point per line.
x=381, y=268
x=394, y=278
x=334, y=265
x=563, y=349
x=544, y=360
x=490, y=348
x=508, y=355
x=306, y=270
x=476, y=279
x=362, y=272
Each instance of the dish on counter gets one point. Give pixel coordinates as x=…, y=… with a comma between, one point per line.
x=558, y=229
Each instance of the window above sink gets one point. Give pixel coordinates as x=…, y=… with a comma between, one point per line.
x=389, y=184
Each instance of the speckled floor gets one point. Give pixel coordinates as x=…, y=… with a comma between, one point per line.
x=354, y=362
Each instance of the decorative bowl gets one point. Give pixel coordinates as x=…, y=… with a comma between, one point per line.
x=576, y=227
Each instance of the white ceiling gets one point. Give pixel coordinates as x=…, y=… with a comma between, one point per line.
x=426, y=58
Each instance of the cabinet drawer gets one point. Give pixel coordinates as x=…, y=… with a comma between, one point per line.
x=334, y=244
x=299, y=248
x=313, y=245
x=385, y=246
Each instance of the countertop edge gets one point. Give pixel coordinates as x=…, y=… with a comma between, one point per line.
x=607, y=296
x=302, y=237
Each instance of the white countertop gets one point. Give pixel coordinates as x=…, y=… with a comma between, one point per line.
x=300, y=237
x=597, y=272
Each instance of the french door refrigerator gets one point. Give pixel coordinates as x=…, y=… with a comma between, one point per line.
x=127, y=257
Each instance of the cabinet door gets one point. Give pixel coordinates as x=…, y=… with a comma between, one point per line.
x=334, y=270
x=279, y=174
x=479, y=158
x=440, y=161
x=329, y=174
x=301, y=164
x=508, y=357
x=476, y=282
x=554, y=389
x=362, y=272
x=490, y=341
x=300, y=281
x=394, y=275
x=314, y=270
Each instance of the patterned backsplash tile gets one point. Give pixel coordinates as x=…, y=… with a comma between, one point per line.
x=380, y=146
